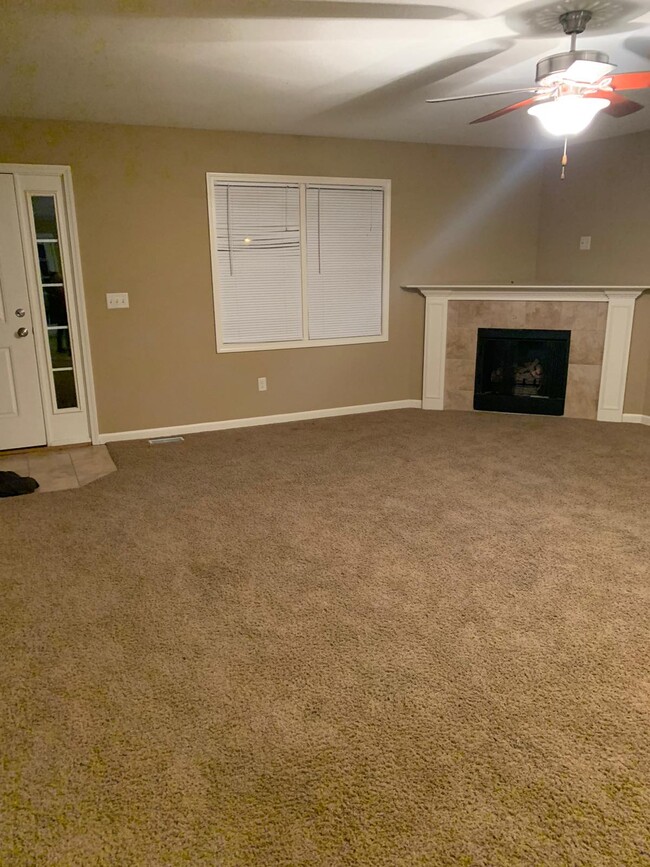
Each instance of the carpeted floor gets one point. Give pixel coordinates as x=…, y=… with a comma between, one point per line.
x=405, y=638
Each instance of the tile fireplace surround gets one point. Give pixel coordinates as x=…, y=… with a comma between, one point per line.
x=599, y=318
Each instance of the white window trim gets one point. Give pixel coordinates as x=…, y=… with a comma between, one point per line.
x=211, y=177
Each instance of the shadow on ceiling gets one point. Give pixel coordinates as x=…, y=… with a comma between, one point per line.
x=264, y=9
x=639, y=45
x=608, y=16
x=408, y=87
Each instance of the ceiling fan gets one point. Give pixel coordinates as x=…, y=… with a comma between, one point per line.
x=571, y=87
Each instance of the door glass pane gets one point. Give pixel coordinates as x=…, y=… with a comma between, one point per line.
x=55, y=306
x=59, y=340
x=45, y=217
x=66, y=393
x=52, y=282
x=49, y=262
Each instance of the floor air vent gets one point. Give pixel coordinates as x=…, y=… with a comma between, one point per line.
x=160, y=440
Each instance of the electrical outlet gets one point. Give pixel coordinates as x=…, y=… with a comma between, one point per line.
x=585, y=242
x=115, y=300
x=261, y=383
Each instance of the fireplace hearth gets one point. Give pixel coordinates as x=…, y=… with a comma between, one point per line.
x=521, y=370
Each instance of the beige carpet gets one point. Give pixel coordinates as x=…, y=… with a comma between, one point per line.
x=400, y=639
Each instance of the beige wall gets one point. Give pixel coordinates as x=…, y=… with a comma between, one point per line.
x=606, y=195
x=459, y=214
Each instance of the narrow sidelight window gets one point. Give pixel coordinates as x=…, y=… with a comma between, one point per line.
x=53, y=290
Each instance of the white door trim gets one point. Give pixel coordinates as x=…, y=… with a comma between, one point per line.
x=64, y=173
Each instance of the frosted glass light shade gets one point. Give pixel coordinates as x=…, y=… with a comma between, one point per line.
x=567, y=115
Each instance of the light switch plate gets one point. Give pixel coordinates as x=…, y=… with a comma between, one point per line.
x=115, y=300
x=585, y=242
x=261, y=383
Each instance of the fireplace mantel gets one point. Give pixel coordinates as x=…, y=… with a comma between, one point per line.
x=526, y=292
x=620, y=302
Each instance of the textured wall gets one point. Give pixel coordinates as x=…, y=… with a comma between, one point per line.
x=458, y=214
x=605, y=195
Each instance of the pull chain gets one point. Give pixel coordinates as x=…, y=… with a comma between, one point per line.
x=565, y=160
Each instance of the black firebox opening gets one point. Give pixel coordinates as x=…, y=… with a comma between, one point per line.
x=521, y=370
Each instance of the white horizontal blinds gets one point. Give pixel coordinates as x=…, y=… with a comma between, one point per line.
x=258, y=258
x=345, y=227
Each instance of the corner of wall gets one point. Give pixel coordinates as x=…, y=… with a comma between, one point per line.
x=541, y=184
x=604, y=177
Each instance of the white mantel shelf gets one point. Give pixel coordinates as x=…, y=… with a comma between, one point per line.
x=620, y=302
x=526, y=291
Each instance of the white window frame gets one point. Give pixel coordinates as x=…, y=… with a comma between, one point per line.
x=303, y=181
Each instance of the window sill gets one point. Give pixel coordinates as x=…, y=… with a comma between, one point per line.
x=298, y=344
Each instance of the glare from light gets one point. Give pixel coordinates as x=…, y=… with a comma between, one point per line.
x=569, y=114
x=247, y=240
x=588, y=71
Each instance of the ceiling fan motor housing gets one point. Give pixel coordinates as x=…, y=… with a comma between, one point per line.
x=575, y=21
x=551, y=69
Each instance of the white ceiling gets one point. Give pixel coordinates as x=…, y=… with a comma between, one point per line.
x=352, y=68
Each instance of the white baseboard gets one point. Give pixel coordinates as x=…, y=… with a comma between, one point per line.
x=201, y=427
x=636, y=419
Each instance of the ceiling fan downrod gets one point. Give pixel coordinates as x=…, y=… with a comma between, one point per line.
x=573, y=23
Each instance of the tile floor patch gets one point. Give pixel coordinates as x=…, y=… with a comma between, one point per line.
x=61, y=469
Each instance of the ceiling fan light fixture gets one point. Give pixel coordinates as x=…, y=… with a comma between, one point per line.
x=588, y=71
x=568, y=115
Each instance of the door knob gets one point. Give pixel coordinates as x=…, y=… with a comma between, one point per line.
x=22, y=332
x=20, y=312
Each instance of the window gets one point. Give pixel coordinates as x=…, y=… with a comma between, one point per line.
x=53, y=290
x=298, y=261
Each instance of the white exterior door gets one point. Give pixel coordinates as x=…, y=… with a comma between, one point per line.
x=22, y=422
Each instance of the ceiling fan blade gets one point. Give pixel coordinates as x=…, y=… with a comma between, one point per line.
x=630, y=80
x=479, y=95
x=525, y=103
x=619, y=105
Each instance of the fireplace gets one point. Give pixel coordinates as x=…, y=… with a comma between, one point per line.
x=521, y=370
x=600, y=319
